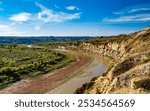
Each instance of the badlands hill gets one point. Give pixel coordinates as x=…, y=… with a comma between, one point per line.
x=128, y=61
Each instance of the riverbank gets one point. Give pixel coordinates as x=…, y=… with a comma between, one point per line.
x=94, y=69
x=44, y=83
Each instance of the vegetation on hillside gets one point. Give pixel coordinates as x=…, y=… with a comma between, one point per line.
x=17, y=62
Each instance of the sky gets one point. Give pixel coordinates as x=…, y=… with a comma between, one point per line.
x=73, y=17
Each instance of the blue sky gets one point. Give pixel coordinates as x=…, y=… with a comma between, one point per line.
x=73, y=17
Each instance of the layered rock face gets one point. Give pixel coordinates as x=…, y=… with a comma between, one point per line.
x=128, y=64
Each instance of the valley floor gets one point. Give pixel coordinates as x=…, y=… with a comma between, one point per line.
x=85, y=68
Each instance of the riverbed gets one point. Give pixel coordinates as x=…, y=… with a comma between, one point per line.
x=93, y=70
x=61, y=81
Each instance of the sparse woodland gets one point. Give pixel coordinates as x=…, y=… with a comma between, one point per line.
x=18, y=62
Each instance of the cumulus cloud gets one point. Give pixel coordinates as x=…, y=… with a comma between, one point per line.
x=45, y=15
x=49, y=16
x=72, y=8
x=21, y=17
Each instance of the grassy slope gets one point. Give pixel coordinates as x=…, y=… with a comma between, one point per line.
x=18, y=62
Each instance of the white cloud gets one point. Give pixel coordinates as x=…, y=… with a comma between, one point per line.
x=136, y=13
x=130, y=18
x=129, y=11
x=21, y=17
x=40, y=6
x=50, y=16
x=72, y=8
x=3, y=26
x=37, y=28
x=138, y=9
x=45, y=16
x=6, y=30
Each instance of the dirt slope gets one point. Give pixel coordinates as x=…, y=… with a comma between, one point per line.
x=128, y=65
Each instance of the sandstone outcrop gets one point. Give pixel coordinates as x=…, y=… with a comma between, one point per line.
x=128, y=64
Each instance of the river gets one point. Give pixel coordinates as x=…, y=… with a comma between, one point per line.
x=93, y=70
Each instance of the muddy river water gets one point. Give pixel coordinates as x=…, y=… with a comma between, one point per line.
x=93, y=70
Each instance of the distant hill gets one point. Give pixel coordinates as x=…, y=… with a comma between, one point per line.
x=32, y=40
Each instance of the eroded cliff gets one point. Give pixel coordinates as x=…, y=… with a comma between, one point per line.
x=128, y=63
